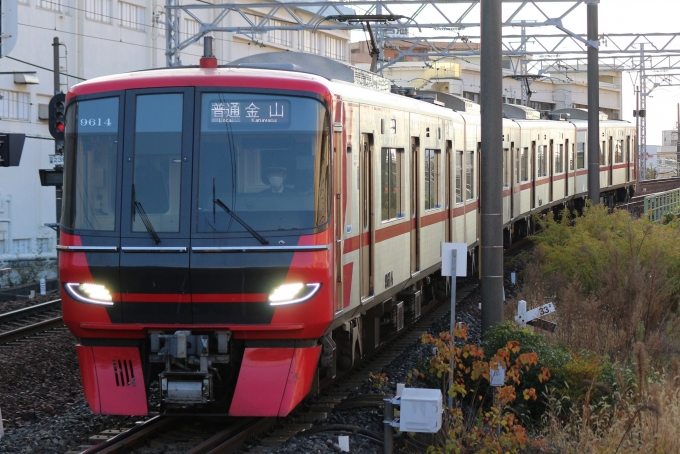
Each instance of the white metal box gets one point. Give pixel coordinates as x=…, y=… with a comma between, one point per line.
x=421, y=410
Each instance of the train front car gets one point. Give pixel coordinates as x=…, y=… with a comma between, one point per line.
x=195, y=246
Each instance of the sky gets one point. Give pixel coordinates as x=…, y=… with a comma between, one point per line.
x=624, y=16
x=648, y=16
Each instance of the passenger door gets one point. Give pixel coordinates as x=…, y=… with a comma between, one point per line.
x=366, y=216
x=154, y=259
x=415, y=205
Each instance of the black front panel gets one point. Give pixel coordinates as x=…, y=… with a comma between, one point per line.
x=232, y=287
x=233, y=313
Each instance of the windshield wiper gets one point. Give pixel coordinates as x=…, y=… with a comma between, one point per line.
x=221, y=204
x=137, y=208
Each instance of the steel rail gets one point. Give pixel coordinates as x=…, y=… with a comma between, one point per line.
x=257, y=426
x=29, y=330
x=131, y=437
x=30, y=310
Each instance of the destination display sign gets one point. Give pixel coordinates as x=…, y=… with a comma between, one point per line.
x=252, y=113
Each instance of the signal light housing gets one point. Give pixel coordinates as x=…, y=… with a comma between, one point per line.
x=57, y=114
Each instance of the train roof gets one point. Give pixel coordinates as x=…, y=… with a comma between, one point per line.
x=316, y=74
x=195, y=76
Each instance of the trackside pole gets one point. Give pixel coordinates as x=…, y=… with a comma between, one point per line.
x=453, y=264
x=491, y=197
x=454, y=259
x=593, y=105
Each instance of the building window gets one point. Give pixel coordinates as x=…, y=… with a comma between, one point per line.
x=14, y=105
x=391, y=178
x=42, y=245
x=131, y=16
x=282, y=36
x=191, y=28
x=336, y=48
x=22, y=246
x=542, y=105
x=459, y=176
x=252, y=21
x=469, y=175
x=474, y=97
x=98, y=10
x=432, y=172
x=54, y=5
x=308, y=42
x=581, y=155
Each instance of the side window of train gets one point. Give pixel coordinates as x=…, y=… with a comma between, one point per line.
x=559, y=158
x=459, y=176
x=581, y=155
x=432, y=172
x=571, y=157
x=469, y=175
x=602, y=145
x=524, y=164
x=506, y=167
x=541, y=169
x=618, y=151
x=391, y=180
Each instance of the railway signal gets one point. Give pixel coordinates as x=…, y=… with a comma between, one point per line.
x=57, y=114
x=11, y=147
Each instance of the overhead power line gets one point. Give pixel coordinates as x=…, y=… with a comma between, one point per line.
x=42, y=67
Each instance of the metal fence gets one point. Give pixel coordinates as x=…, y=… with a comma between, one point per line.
x=659, y=204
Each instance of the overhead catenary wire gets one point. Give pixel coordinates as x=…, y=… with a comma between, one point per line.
x=42, y=67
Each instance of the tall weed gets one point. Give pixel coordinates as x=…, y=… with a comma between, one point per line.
x=615, y=281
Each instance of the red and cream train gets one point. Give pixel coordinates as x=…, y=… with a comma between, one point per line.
x=236, y=233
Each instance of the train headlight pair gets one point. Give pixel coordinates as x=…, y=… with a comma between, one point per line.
x=292, y=293
x=89, y=293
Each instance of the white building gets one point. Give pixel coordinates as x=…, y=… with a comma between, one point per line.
x=461, y=76
x=667, y=156
x=99, y=37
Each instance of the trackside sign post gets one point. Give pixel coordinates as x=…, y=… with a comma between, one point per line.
x=534, y=316
x=454, y=264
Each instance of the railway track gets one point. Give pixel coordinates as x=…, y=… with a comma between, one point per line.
x=30, y=321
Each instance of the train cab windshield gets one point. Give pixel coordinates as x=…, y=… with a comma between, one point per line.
x=263, y=158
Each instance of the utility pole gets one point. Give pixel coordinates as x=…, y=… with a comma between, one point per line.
x=491, y=239
x=58, y=144
x=638, y=154
x=677, y=146
x=642, y=114
x=593, y=104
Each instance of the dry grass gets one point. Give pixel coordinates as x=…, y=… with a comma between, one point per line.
x=615, y=282
x=641, y=420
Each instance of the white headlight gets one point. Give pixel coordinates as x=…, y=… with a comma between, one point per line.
x=89, y=293
x=292, y=293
